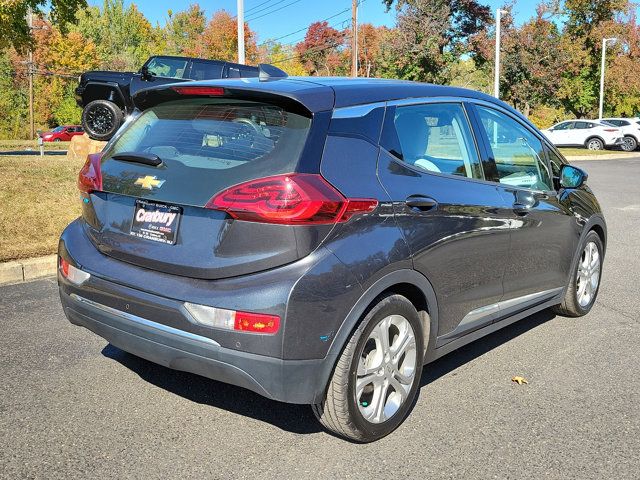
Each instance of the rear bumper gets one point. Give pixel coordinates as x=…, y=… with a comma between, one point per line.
x=291, y=381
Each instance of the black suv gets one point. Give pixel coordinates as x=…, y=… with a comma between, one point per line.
x=319, y=240
x=105, y=97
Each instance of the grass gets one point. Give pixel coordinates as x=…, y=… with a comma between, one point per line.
x=38, y=198
x=584, y=152
x=31, y=144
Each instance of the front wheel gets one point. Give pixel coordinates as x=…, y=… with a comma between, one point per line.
x=376, y=378
x=595, y=144
x=101, y=119
x=585, y=281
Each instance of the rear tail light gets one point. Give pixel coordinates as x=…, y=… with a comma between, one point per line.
x=71, y=273
x=90, y=177
x=210, y=91
x=233, y=320
x=293, y=199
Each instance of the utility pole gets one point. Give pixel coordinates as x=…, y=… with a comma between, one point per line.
x=602, y=66
x=241, y=31
x=496, y=78
x=354, y=38
x=30, y=73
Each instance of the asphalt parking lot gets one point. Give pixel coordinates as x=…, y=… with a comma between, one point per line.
x=72, y=406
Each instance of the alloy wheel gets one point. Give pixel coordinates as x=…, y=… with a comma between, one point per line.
x=588, y=276
x=629, y=144
x=594, y=144
x=386, y=369
x=100, y=118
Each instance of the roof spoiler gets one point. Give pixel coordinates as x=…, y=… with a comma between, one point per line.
x=268, y=72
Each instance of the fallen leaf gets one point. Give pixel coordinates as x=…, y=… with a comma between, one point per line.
x=520, y=380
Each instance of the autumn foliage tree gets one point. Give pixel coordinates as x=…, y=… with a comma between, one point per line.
x=219, y=39
x=321, y=51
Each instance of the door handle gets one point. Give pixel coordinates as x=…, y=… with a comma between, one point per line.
x=525, y=202
x=521, y=208
x=421, y=202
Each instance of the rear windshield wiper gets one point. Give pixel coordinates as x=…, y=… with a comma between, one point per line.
x=145, y=158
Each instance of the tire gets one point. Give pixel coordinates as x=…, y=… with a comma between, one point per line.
x=342, y=412
x=575, y=304
x=57, y=140
x=101, y=119
x=594, y=144
x=630, y=144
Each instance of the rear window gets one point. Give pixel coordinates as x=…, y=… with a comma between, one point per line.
x=206, y=145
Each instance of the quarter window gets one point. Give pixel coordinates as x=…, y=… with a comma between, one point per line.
x=518, y=153
x=437, y=138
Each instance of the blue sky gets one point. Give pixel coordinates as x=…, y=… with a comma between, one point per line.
x=296, y=14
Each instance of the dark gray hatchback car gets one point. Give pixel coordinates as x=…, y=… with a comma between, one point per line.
x=319, y=240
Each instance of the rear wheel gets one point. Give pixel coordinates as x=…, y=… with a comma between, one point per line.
x=101, y=119
x=585, y=282
x=377, y=376
x=630, y=144
x=595, y=144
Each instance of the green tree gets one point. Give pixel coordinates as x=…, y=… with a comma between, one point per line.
x=430, y=37
x=14, y=30
x=13, y=101
x=184, y=29
x=123, y=36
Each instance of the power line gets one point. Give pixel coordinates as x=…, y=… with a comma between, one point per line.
x=274, y=11
x=305, y=28
x=259, y=5
x=267, y=7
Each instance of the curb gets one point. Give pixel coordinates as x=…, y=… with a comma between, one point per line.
x=581, y=158
x=28, y=269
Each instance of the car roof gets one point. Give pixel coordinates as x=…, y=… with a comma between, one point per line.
x=326, y=93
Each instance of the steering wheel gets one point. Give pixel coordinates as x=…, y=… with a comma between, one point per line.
x=254, y=127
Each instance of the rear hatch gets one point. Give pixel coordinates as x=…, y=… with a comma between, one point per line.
x=160, y=195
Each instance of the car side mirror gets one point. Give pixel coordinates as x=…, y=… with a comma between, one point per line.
x=572, y=177
x=144, y=72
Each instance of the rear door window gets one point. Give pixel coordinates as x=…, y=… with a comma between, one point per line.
x=436, y=137
x=206, y=145
x=518, y=153
x=205, y=70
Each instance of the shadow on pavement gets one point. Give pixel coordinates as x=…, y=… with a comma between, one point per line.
x=296, y=418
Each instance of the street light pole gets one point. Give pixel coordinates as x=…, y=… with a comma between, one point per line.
x=602, y=66
x=496, y=79
x=241, y=31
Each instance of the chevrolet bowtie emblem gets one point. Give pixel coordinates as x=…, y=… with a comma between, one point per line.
x=149, y=182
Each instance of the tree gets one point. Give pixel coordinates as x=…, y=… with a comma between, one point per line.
x=430, y=37
x=588, y=22
x=14, y=30
x=184, y=29
x=220, y=39
x=123, y=36
x=369, y=48
x=321, y=49
x=283, y=57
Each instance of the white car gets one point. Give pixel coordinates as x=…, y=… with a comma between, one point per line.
x=591, y=134
x=630, y=129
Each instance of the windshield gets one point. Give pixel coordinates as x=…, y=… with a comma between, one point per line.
x=207, y=145
x=58, y=129
x=167, y=67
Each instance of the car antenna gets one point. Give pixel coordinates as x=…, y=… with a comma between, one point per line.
x=268, y=72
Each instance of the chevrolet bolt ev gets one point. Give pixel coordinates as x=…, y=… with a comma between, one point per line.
x=318, y=241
